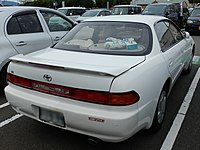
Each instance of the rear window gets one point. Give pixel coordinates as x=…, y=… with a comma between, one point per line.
x=126, y=10
x=195, y=12
x=109, y=38
x=154, y=10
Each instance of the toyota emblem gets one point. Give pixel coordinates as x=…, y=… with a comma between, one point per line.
x=47, y=77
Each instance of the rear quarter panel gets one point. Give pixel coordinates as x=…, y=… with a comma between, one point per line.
x=147, y=79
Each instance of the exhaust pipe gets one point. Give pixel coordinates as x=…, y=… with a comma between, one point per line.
x=93, y=141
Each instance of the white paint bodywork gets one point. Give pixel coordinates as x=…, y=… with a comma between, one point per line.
x=10, y=44
x=145, y=75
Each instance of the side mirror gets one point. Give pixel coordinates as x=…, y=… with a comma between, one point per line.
x=187, y=34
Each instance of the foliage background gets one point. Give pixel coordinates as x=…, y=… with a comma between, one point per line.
x=83, y=3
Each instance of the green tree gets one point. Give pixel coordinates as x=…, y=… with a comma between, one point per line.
x=82, y=3
x=68, y=3
x=194, y=1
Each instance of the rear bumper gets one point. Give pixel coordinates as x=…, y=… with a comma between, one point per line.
x=108, y=123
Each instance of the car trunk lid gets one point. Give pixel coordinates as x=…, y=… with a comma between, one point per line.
x=73, y=69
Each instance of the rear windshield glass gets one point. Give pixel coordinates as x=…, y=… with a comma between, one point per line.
x=195, y=12
x=108, y=37
x=154, y=10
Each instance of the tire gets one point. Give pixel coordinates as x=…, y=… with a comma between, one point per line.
x=189, y=68
x=3, y=79
x=160, y=111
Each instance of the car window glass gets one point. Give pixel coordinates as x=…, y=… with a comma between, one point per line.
x=168, y=10
x=55, y=22
x=172, y=8
x=164, y=35
x=108, y=37
x=107, y=13
x=29, y=23
x=77, y=11
x=102, y=13
x=195, y=12
x=13, y=26
x=175, y=32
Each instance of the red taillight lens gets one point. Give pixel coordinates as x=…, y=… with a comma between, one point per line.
x=100, y=97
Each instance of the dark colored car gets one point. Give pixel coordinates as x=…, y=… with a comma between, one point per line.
x=177, y=12
x=193, y=22
x=126, y=10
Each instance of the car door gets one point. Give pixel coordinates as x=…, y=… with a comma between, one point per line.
x=25, y=33
x=171, y=47
x=57, y=24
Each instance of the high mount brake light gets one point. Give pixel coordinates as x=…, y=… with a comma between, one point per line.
x=106, y=98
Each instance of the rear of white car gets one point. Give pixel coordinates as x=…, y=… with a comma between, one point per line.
x=105, y=79
x=77, y=98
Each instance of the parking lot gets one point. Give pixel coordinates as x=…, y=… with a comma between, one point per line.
x=181, y=130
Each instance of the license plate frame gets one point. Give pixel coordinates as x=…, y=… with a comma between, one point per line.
x=52, y=117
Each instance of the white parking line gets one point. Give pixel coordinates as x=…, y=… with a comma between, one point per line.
x=171, y=136
x=4, y=105
x=5, y=122
x=10, y=120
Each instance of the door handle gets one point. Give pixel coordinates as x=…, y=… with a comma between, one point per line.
x=171, y=63
x=21, y=43
x=57, y=38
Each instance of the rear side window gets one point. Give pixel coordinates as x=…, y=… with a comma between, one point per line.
x=13, y=26
x=167, y=33
x=76, y=11
x=26, y=23
x=55, y=22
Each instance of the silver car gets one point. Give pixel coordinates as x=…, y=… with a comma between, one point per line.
x=27, y=29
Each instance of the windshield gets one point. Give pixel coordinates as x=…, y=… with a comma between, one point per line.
x=154, y=10
x=120, y=11
x=64, y=11
x=90, y=13
x=108, y=37
x=195, y=12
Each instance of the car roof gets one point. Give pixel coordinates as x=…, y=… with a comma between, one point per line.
x=99, y=9
x=165, y=4
x=146, y=19
x=16, y=8
x=127, y=6
x=198, y=7
x=72, y=8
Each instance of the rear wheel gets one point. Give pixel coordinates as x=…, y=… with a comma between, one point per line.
x=189, y=67
x=160, y=111
x=3, y=79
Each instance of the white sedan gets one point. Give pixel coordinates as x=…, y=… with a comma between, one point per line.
x=27, y=29
x=108, y=78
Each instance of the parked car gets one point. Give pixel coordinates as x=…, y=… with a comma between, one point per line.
x=98, y=79
x=27, y=29
x=172, y=11
x=193, y=22
x=126, y=9
x=72, y=12
x=190, y=10
x=93, y=13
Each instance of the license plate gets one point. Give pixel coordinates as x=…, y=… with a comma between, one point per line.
x=52, y=117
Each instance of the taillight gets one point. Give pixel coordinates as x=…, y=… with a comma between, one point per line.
x=107, y=98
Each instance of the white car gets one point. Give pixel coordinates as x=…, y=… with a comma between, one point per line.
x=93, y=13
x=72, y=12
x=107, y=78
x=27, y=29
